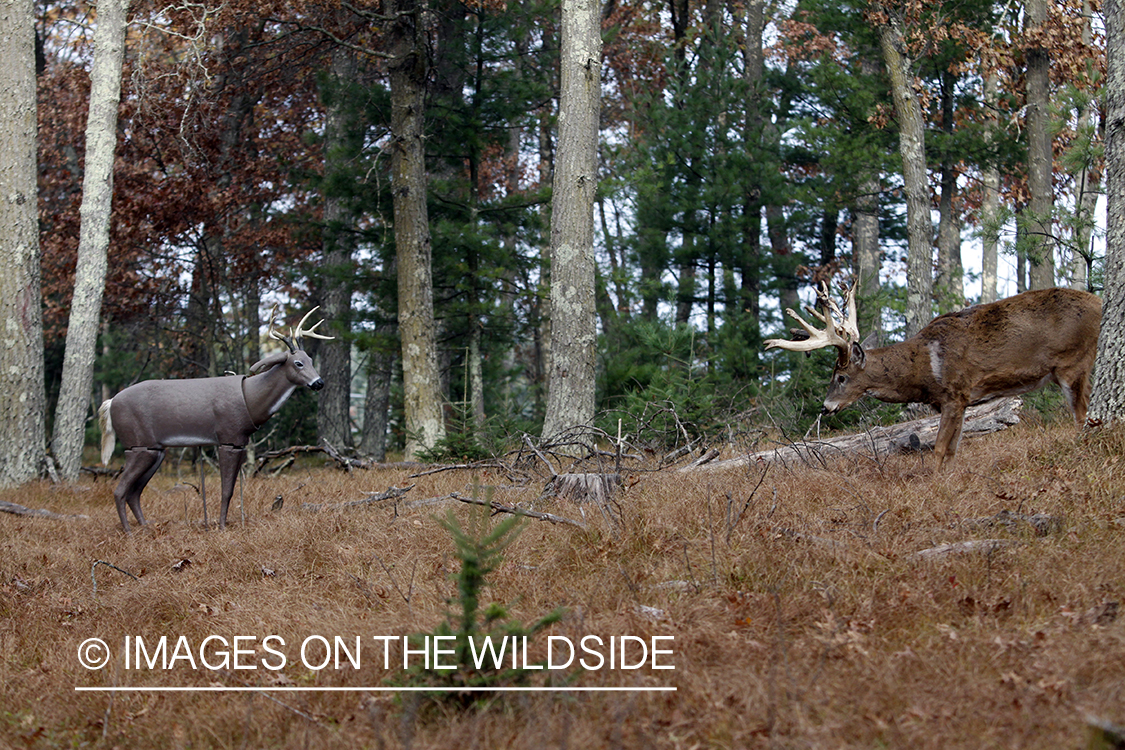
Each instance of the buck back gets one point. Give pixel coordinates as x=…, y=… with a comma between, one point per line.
x=1014, y=345
x=982, y=352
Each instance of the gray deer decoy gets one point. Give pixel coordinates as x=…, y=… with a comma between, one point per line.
x=225, y=411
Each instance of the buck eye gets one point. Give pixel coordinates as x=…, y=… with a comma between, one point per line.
x=841, y=379
x=298, y=364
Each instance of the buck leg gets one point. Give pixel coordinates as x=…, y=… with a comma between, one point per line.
x=230, y=461
x=949, y=432
x=1077, y=391
x=140, y=465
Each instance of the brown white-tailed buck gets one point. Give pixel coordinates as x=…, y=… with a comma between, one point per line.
x=963, y=358
x=225, y=411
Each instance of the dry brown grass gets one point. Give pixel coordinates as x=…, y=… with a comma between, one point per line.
x=806, y=624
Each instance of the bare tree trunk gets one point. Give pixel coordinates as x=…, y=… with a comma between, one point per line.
x=570, y=384
x=1021, y=250
x=1040, y=159
x=22, y=398
x=540, y=316
x=990, y=207
x=950, y=285
x=1089, y=184
x=333, y=418
x=617, y=267
x=93, y=239
x=685, y=288
x=750, y=256
x=476, y=375
x=376, y=405
x=1107, y=401
x=680, y=11
x=420, y=376
x=781, y=248
x=919, y=261
x=866, y=256
x=990, y=220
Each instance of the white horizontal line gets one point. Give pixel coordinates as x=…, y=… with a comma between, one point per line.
x=513, y=689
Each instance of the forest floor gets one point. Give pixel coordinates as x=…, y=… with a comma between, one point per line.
x=806, y=606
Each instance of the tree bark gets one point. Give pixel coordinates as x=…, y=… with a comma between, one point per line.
x=1040, y=159
x=570, y=384
x=866, y=256
x=750, y=255
x=950, y=286
x=866, y=253
x=93, y=239
x=1088, y=179
x=375, y=407
x=22, y=397
x=990, y=206
x=421, y=379
x=1107, y=401
x=919, y=261
x=333, y=418
x=784, y=261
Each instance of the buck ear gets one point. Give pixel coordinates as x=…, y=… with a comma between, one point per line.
x=276, y=358
x=858, y=357
x=871, y=341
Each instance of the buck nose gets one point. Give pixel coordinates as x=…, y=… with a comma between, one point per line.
x=317, y=384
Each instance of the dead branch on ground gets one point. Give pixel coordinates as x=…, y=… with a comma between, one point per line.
x=372, y=497
x=19, y=510
x=915, y=435
x=501, y=508
x=347, y=463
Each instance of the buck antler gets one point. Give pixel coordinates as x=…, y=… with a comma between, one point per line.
x=293, y=340
x=300, y=331
x=277, y=336
x=838, y=334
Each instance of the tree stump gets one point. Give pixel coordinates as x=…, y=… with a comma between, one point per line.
x=585, y=487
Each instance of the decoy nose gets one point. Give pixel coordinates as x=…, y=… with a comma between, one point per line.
x=317, y=384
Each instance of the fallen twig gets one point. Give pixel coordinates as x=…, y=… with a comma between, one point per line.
x=501, y=508
x=708, y=456
x=455, y=467
x=344, y=462
x=108, y=565
x=409, y=504
x=373, y=497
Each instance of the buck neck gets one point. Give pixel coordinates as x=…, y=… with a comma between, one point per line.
x=267, y=392
x=900, y=373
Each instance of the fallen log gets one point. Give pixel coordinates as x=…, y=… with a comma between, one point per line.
x=20, y=510
x=983, y=546
x=905, y=437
